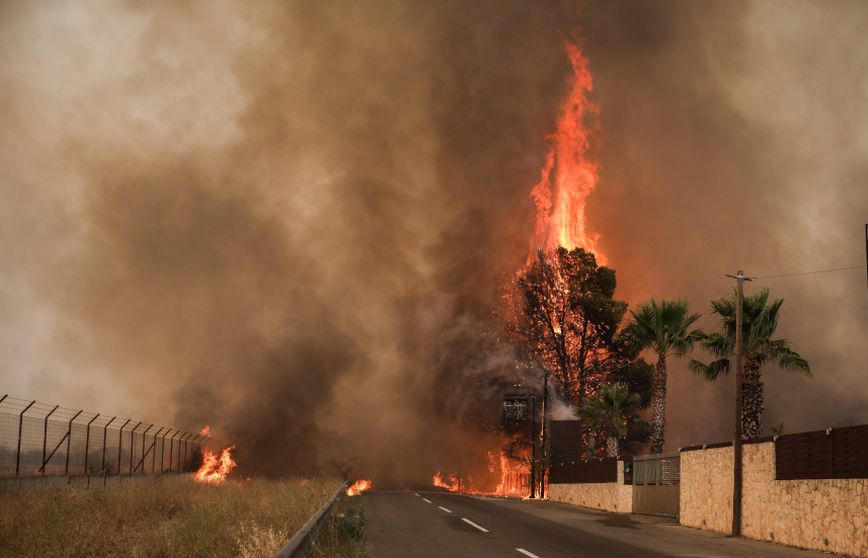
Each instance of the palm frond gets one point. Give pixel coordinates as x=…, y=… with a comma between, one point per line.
x=788, y=359
x=712, y=370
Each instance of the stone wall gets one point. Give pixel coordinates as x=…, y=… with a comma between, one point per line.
x=706, y=489
x=829, y=515
x=608, y=496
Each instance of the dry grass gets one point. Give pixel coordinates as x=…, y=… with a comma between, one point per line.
x=171, y=517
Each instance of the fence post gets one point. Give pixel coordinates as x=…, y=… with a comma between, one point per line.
x=154, y=455
x=87, y=446
x=172, y=447
x=45, y=436
x=104, y=435
x=180, y=462
x=144, y=435
x=133, y=445
x=68, y=443
x=20, y=426
x=121, y=443
x=163, y=452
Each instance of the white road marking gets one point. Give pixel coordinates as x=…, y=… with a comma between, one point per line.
x=416, y=494
x=427, y=500
x=526, y=553
x=480, y=527
x=445, y=509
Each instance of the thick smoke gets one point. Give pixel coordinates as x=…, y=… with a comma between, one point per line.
x=289, y=220
x=735, y=138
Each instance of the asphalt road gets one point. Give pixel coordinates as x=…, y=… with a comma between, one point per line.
x=405, y=524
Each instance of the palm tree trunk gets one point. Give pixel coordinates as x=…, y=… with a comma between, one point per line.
x=658, y=406
x=612, y=443
x=751, y=400
x=592, y=445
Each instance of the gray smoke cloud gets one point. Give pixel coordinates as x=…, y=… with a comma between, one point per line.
x=289, y=220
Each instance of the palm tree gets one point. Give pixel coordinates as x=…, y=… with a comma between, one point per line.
x=664, y=328
x=611, y=412
x=593, y=415
x=760, y=320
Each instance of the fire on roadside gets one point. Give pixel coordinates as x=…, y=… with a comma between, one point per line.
x=359, y=486
x=215, y=467
x=451, y=483
x=512, y=477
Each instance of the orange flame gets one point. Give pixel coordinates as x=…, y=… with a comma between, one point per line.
x=513, y=476
x=568, y=177
x=359, y=486
x=215, y=469
x=205, y=431
x=451, y=483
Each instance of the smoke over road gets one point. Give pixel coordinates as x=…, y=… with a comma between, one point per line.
x=289, y=221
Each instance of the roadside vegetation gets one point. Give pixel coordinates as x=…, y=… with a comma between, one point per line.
x=343, y=536
x=166, y=517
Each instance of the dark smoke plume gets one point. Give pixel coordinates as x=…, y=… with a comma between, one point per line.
x=289, y=220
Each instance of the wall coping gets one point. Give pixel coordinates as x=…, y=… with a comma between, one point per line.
x=763, y=440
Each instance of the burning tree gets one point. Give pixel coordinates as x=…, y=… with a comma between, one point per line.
x=561, y=312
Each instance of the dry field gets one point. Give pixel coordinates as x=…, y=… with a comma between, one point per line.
x=166, y=517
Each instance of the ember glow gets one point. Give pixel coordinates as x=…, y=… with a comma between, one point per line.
x=215, y=468
x=569, y=176
x=359, y=486
x=205, y=431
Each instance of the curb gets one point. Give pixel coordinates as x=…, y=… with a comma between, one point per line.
x=301, y=541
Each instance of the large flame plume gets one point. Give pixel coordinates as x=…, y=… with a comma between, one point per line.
x=569, y=176
x=215, y=468
x=567, y=179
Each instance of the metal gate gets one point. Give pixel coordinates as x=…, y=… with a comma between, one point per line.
x=656, y=484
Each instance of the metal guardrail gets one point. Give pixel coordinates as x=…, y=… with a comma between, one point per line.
x=301, y=541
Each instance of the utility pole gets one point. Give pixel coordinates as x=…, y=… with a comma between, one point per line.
x=533, y=468
x=543, y=454
x=739, y=375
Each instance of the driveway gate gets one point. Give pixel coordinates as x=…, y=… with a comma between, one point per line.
x=656, y=484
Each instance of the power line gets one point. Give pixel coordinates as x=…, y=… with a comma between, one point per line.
x=810, y=272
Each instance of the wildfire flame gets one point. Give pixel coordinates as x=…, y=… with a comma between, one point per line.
x=451, y=483
x=569, y=176
x=205, y=431
x=359, y=486
x=512, y=476
x=215, y=468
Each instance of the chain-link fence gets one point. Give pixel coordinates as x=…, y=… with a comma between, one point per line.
x=37, y=439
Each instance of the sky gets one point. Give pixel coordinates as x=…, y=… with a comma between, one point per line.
x=289, y=220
